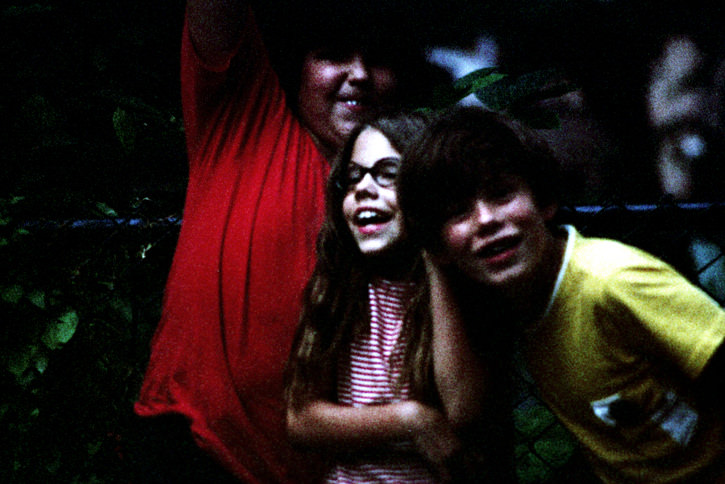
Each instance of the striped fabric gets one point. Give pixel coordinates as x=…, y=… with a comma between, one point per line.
x=368, y=377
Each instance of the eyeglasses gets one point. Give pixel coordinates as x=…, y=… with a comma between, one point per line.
x=384, y=173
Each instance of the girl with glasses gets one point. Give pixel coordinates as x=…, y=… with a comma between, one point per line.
x=362, y=379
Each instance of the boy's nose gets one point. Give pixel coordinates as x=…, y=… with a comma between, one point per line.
x=358, y=68
x=483, y=213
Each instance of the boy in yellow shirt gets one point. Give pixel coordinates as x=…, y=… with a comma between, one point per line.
x=621, y=347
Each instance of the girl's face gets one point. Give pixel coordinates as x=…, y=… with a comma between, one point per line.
x=500, y=238
x=370, y=206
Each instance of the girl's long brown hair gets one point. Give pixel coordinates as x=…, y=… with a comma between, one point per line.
x=335, y=301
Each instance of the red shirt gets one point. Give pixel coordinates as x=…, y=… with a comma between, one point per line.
x=254, y=204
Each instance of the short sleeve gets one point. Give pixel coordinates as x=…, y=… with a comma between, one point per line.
x=660, y=310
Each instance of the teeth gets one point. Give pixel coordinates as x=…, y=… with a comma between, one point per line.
x=498, y=248
x=369, y=216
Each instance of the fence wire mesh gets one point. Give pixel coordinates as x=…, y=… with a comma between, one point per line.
x=111, y=274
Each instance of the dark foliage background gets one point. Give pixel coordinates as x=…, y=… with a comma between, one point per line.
x=94, y=171
x=90, y=101
x=92, y=131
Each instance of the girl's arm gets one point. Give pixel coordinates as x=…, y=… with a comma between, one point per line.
x=459, y=374
x=323, y=424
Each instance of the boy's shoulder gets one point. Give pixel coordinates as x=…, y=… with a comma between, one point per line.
x=606, y=257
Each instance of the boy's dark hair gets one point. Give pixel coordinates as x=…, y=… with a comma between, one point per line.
x=462, y=152
x=384, y=32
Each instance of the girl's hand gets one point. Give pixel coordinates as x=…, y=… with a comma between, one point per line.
x=434, y=265
x=431, y=433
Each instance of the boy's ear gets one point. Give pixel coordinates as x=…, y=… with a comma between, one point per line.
x=548, y=211
x=438, y=257
x=438, y=254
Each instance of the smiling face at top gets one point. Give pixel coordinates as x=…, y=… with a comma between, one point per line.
x=370, y=210
x=500, y=238
x=340, y=90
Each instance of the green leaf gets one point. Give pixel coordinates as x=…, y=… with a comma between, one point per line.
x=54, y=465
x=106, y=210
x=125, y=127
x=4, y=409
x=12, y=294
x=94, y=447
x=70, y=317
x=532, y=419
x=477, y=79
x=502, y=94
x=124, y=308
x=144, y=249
x=556, y=446
x=19, y=362
x=443, y=96
x=25, y=10
x=529, y=468
x=107, y=284
x=446, y=95
x=61, y=331
x=37, y=298
x=41, y=362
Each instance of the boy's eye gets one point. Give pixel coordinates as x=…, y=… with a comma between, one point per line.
x=500, y=191
x=332, y=54
x=459, y=209
x=381, y=56
x=342, y=54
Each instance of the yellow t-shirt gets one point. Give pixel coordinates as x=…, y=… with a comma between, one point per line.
x=615, y=357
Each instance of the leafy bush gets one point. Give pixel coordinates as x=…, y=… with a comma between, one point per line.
x=79, y=307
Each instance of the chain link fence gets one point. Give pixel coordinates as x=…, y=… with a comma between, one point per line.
x=687, y=235
x=81, y=300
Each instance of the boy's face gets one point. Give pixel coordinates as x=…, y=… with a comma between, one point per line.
x=339, y=90
x=500, y=237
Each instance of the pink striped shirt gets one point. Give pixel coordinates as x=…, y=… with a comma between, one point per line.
x=368, y=376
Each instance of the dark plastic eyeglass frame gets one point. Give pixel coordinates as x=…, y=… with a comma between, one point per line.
x=376, y=171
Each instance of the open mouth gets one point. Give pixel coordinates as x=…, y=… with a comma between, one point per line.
x=355, y=103
x=365, y=218
x=495, y=249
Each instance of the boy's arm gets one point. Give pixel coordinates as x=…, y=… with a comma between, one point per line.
x=216, y=27
x=710, y=382
x=323, y=424
x=459, y=373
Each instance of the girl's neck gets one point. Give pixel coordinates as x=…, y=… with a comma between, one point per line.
x=395, y=265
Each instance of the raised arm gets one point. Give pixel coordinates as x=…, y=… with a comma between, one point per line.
x=216, y=26
x=460, y=375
